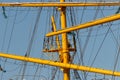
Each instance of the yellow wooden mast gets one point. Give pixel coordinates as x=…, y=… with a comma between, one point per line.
x=65, y=52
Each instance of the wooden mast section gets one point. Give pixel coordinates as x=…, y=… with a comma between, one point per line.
x=65, y=51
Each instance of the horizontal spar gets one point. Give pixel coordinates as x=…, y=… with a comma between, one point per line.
x=58, y=64
x=57, y=4
x=86, y=25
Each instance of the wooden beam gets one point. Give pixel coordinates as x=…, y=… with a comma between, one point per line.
x=86, y=25
x=57, y=4
x=59, y=64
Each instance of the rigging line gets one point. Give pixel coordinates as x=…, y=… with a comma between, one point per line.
x=77, y=57
x=102, y=25
x=24, y=70
x=73, y=21
x=81, y=62
x=93, y=47
x=100, y=34
x=59, y=74
x=79, y=45
x=48, y=23
x=36, y=72
x=88, y=37
x=81, y=51
x=115, y=65
x=31, y=43
x=6, y=26
x=24, y=16
x=84, y=48
x=2, y=78
x=3, y=42
x=33, y=33
x=19, y=72
x=11, y=34
x=54, y=73
x=21, y=69
x=118, y=53
x=115, y=38
x=4, y=12
x=100, y=45
x=40, y=70
x=83, y=10
x=92, y=50
x=10, y=38
x=110, y=24
x=12, y=70
x=116, y=61
x=76, y=74
x=102, y=28
x=86, y=42
x=45, y=29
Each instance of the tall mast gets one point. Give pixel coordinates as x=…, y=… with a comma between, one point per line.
x=65, y=52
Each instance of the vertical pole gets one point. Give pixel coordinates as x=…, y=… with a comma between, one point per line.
x=65, y=53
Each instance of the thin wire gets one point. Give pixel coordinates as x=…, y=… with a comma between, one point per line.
x=24, y=16
x=72, y=20
x=81, y=50
x=118, y=53
x=4, y=37
x=35, y=72
x=4, y=34
x=54, y=73
x=109, y=25
x=31, y=43
x=79, y=41
x=93, y=47
x=88, y=37
x=116, y=61
x=10, y=39
x=11, y=34
x=100, y=34
x=100, y=45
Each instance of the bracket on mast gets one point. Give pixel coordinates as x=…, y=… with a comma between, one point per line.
x=50, y=44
